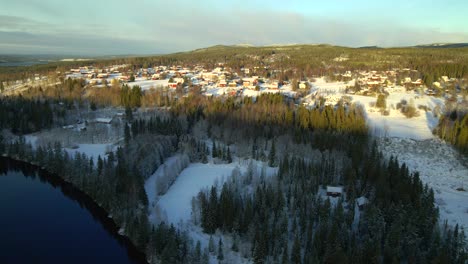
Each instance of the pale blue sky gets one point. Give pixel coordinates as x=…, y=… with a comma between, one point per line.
x=91, y=27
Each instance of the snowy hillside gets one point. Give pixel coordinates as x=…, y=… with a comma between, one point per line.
x=439, y=167
x=395, y=124
x=412, y=141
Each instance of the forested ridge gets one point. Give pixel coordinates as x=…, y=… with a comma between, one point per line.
x=294, y=61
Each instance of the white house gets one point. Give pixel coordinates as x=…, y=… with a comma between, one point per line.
x=361, y=202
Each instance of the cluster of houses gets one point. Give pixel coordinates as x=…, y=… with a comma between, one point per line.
x=374, y=79
x=177, y=76
x=233, y=84
x=94, y=75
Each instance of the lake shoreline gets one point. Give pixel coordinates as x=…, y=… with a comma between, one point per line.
x=72, y=191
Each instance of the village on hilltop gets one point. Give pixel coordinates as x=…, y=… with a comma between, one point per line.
x=223, y=81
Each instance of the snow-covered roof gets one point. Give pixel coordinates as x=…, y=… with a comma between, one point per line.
x=334, y=189
x=361, y=200
x=103, y=120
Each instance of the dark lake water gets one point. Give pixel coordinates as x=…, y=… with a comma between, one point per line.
x=44, y=220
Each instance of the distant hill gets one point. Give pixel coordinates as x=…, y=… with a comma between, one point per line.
x=250, y=47
x=443, y=45
x=285, y=47
x=315, y=59
x=370, y=47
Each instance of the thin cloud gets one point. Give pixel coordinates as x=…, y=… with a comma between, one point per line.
x=16, y=23
x=27, y=43
x=186, y=28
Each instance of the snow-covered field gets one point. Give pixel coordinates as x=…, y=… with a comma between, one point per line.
x=219, y=91
x=395, y=124
x=176, y=203
x=90, y=150
x=144, y=83
x=151, y=192
x=175, y=206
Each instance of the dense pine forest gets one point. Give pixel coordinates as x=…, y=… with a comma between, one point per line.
x=23, y=116
x=453, y=127
x=284, y=218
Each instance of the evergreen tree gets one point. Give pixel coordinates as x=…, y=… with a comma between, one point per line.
x=2, y=146
x=212, y=212
x=100, y=165
x=254, y=149
x=272, y=155
x=204, y=158
x=128, y=113
x=296, y=252
x=259, y=250
x=285, y=255
x=211, y=245
x=205, y=258
x=235, y=246
x=169, y=253
x=381, y=102
x=220, y=250
x=214, y=150
x=229, y=157
x=127, y=135
x=197, y=255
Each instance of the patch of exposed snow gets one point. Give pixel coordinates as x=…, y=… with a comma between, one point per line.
x=31, y=139
x=150, y=187
x=439, y=166
x=105, y=120
x=148, y=84
x=90, y=150
x=177, y=201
